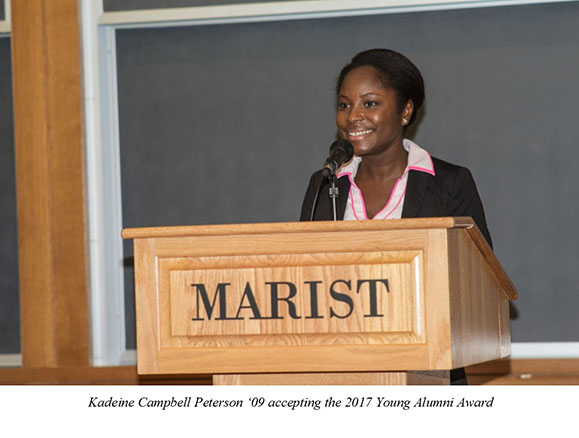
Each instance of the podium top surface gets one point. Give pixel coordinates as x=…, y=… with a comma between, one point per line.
x=297, y=227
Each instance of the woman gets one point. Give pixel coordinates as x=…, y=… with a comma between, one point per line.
x=379, y=94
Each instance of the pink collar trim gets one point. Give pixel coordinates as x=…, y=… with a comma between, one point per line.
x=418, y=159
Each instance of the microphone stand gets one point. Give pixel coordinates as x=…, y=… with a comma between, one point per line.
x=334, y=193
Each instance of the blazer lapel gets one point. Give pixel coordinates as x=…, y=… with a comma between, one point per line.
x=343, y=185
x=415, y=190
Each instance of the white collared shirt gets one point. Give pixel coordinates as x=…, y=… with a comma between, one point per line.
x=418, y=159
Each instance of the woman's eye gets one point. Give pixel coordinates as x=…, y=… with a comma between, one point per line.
x=343, y=105
x=370, y=104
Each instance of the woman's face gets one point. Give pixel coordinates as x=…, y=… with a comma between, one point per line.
x=368, y=115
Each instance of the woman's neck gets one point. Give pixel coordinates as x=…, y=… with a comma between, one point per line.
x=388, y=165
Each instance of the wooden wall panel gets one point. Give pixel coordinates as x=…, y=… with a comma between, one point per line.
x=525, y=372
x=50, y=186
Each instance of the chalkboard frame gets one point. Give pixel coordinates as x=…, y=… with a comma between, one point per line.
x=8, y=360
x=288, y=10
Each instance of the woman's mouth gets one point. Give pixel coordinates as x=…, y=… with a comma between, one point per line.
x=358, y=134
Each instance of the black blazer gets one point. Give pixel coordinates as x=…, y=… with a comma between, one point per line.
x=450, y=192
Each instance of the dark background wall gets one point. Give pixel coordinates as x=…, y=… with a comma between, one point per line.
x=9, y=302
x=225, y=123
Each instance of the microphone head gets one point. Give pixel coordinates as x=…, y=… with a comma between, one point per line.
x=342, y=146
x=340, y=151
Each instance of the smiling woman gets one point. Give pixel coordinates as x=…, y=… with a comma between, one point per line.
x=379, y=94
x=370, y=116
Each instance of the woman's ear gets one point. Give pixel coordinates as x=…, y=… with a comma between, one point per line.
x=407, y=112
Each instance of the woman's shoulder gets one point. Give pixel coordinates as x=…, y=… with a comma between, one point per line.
x=446, y=172
x=458, y=184
x=444, y=167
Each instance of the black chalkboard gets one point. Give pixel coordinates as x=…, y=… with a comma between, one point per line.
x=9, y=299
x=2, y=13
x=225, y=123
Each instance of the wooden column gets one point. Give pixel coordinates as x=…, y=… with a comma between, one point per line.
x=50, y=183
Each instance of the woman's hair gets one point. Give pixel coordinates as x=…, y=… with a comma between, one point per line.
x=394, y=71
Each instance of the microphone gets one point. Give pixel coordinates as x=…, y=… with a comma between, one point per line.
x=340, y=152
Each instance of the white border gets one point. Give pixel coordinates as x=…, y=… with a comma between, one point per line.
x=102, y=139
x=5, y=25
x=104, y=189
x=545, y=350
x=290, y=10
x=10, y=360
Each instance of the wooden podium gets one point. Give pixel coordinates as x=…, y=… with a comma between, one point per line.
x=371, y=302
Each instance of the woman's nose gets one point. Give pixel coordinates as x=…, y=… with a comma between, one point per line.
x=356, y=114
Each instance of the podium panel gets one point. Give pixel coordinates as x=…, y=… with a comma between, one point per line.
x=230, y=300
x=413, y=294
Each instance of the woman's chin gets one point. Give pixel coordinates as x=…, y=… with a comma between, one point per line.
x=361, y=148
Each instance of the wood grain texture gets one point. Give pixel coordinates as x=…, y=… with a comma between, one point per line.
x=32, y=157
x=283, y=359
x=148, y=333
x=385, y=378
x=50, y=184
x=525, y=372
x=302, y=379
x=479, y=305
x=437, y=306
x=121, y=375
x=428, y=378
x=489, y=256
